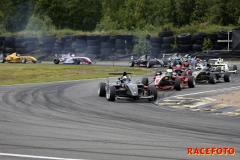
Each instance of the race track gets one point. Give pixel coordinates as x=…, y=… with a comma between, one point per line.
x=68, y=120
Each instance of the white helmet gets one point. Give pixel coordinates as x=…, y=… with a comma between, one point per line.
x=169, y=72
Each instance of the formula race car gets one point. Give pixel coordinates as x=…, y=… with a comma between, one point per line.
x=205, y=73
x=145, y=60
x=170, y=80
x=70, y=58
x=124, y=88
x=224, y=65
x=17, y=58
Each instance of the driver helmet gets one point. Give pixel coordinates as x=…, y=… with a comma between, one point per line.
x=18, y=55
x=126, y=79
x=169, y=72
x=73, y=55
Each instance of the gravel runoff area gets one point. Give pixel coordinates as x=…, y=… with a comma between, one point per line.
x=229, y=98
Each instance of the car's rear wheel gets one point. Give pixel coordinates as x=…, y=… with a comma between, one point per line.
x=178, y=84
x=34, y=61
x=111, y=93
x=227, y=77
x=145, y=81
x=153, y=92
x=131, y=63
x=56, y=61
x=101, y=89
x=149, y=64
x=212, y=78
x=24, y=60
x=77, y=61
x=191, y=82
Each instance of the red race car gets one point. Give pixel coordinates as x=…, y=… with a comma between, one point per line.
x=170, y=80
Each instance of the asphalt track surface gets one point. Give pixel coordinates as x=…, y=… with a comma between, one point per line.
x=68, y=120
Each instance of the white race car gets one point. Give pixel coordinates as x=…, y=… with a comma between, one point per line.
x=70, y=58
x=225, y=66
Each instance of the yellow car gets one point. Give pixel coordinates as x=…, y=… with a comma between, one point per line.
x=17, y=58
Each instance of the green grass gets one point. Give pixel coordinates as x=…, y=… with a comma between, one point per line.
x=34, y=73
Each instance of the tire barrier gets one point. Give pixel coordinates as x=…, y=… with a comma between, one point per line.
x=111, y=45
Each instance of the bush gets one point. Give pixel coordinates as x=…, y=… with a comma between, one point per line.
x=207, y=44
x=142, y=46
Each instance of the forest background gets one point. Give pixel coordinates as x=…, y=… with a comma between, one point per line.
x=60, y=17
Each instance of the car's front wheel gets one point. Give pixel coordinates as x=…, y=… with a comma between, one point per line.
x=153, y=92
x=191, y=82
x=178, y=84
x=111, y=93
x=212, y=78
x=227, y=77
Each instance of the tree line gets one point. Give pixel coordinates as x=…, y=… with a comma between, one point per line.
x=89, y=15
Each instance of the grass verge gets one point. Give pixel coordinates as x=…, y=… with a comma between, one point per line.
x=34, y=73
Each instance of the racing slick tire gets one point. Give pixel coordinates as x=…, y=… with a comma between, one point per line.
x=24, y=60
x=178, y=84
x=131, y=63
x=191, y=82
x=149, y=64
x=101, y=89
x=34, y=61
x=152, y=91
x=145, y=81
x=111, y=93
x=2, y=60
x=56, y=61
x=227, y=77
x=212, y=78
x=77, y=61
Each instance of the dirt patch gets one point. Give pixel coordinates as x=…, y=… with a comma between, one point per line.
x=229, y=98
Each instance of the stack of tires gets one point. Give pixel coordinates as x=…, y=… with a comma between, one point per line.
x=31, y=44
x=221, y=35
x=80, y=44
x=48, y=44
x=58, y=47
x=197, y=41
x=68, y=46
x=93, y=45
x=107, y=48
x=20, y=45
x=156, y=43
x=168, y=40
x=9, y=45
x=2, y=39
x=120, y=45
x=184, y=43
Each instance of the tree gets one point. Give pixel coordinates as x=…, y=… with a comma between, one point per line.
x=142, y=46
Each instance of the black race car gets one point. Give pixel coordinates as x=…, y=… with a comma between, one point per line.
x=210, y=74
x=124, y=88
x=145, y=60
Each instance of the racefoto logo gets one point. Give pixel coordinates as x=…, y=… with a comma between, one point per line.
x=211, y=151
